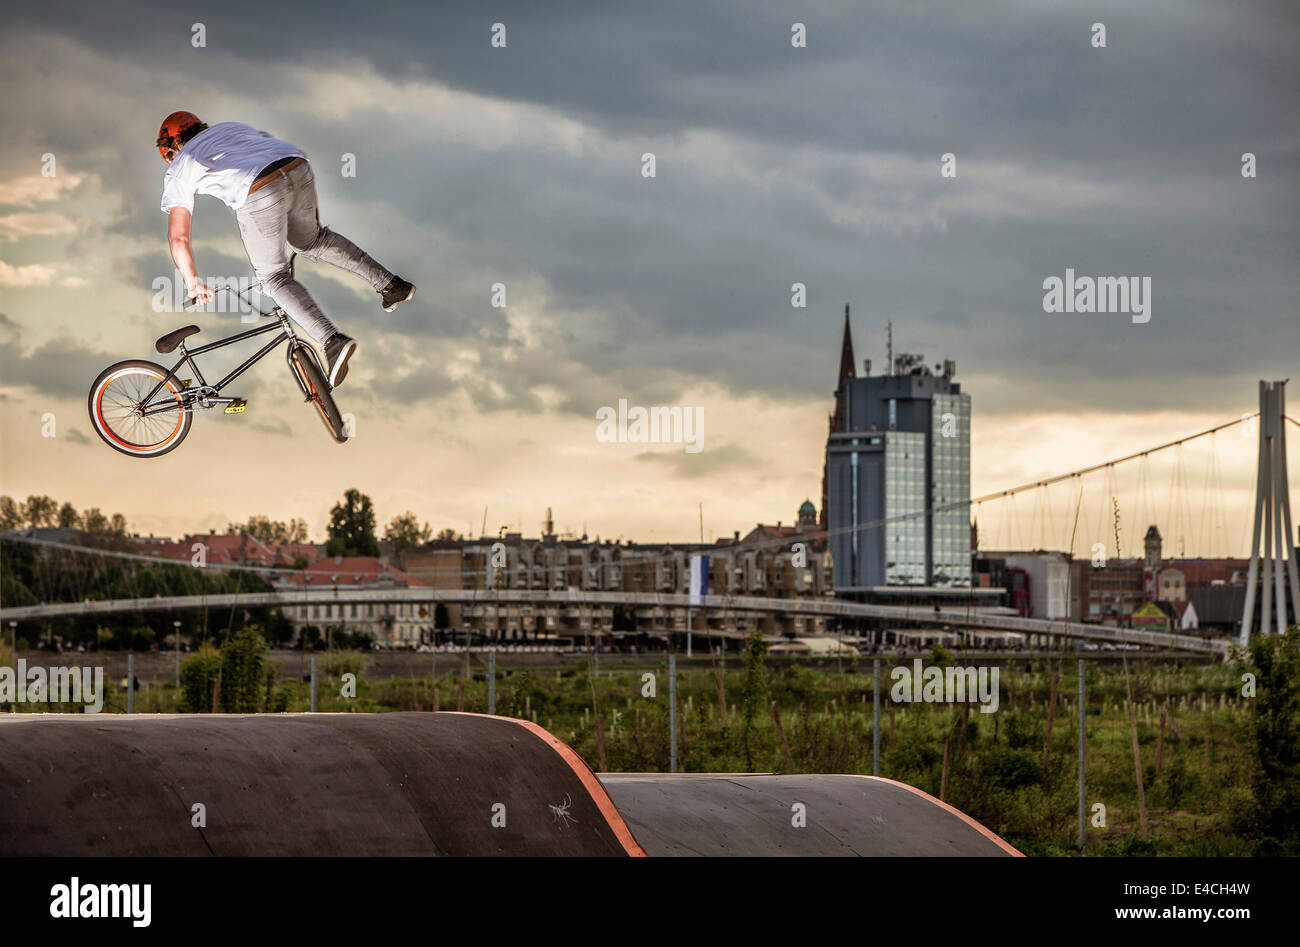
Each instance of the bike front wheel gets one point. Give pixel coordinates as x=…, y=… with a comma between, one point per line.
x=318, y=393
x=125, y=422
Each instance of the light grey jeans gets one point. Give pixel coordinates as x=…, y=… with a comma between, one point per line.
x=283, y=214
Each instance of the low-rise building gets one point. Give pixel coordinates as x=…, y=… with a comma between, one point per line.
x=390, y=624
x=779, y=561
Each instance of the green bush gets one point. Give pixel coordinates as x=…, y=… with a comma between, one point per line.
x=242, y=683
x=1022, y=731
x=198, y=676
x=239, y=663
x=337, y=663
x=1008, y=768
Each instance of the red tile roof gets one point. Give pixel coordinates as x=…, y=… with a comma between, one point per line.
x=1206, y=571
x=235, y=549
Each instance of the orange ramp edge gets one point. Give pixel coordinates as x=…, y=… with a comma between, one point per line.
x=593, y=786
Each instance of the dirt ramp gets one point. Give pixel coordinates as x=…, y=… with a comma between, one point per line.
x=759, y=815
x=298, y=784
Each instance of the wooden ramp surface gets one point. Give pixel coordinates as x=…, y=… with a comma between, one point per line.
x=756, y=815
x=418, y=784
x=297, y=784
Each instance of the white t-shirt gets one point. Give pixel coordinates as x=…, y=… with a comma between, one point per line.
x=222, y=161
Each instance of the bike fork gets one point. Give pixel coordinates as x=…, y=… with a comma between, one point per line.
x=296, y=346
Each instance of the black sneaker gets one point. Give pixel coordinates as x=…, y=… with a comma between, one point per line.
x=338, y=350
x=397, y=291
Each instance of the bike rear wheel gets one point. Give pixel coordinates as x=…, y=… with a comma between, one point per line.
x=318, y=392
x=116, y=409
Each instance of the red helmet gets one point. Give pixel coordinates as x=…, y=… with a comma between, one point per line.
x=169, y=142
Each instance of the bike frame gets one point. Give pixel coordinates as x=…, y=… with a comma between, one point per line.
x=187, y=357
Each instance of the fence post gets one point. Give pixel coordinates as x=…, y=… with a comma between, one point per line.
x=130, y=683
x=1082, y=757
x=672, y=713
x=313, y=683
x=875, y=717
x=492, y=681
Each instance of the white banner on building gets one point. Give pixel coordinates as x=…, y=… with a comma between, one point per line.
x=699, y=579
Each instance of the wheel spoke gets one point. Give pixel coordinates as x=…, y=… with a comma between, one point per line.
x=117, y=403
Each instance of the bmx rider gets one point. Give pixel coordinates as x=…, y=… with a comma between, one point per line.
x=269, y=185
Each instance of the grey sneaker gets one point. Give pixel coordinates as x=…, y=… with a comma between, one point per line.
x=397, y=291
x=338, y=350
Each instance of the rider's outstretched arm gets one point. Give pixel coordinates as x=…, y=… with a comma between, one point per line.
x=178, y=237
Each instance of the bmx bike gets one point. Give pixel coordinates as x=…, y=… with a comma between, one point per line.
x=144, y=409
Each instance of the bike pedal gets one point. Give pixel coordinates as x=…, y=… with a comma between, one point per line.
x=237, y=406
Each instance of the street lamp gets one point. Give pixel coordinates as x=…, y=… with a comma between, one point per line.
x=13, y=630
x=177, y=634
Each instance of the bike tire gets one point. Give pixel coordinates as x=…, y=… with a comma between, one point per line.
x=318, y=392
x=112, y=426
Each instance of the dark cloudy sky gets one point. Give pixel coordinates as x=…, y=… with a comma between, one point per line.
x=478, y=165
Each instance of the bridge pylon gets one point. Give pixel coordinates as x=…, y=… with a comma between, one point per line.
x=1273, y=519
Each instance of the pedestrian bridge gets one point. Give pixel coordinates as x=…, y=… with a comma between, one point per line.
x=711, y=605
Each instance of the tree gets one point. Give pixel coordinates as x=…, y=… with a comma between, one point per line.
x=1275, y=659
x=11, y=517
x=405, y=532
x=267, y=530
x=259, y=527
x=117, y=525
x=448, y=535
x=352, y=526
x=40, y=511
x=68, y=518
x=94, y=522
x=309, y=638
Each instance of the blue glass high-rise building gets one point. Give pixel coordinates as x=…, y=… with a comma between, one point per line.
x=899, y=446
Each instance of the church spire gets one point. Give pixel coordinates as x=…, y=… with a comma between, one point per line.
x=839, y=421
x=846, y=349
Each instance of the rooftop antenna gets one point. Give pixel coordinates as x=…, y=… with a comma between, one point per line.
x=701, y=523
x=483, y=532
x=889, y=345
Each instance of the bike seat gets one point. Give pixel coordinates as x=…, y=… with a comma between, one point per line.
x=169, y=341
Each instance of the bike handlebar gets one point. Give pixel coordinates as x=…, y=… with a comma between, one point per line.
x=193, y=300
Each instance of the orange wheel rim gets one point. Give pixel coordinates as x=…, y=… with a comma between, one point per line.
x=103, y=422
